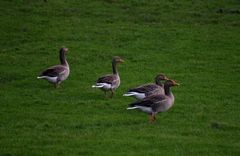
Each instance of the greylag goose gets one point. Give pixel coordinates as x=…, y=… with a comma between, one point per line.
x=143, y=91
x=156, y=103
x=58, y=73
x=110, y=82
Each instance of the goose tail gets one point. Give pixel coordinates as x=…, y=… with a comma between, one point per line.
x=129, y=94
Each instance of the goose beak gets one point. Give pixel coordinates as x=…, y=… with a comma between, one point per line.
x=176, y=84
x=121, y=60
x=65, y=50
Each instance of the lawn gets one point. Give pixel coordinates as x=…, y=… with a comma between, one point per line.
x=196, y=43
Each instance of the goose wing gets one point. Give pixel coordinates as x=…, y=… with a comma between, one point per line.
x=54, y=71
x=144, y=88
x=110, y=79
x=150, y=101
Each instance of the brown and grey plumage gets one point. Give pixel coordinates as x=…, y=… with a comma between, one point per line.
x=156, y=103
x=145, y=90
x=58, y=73
x=110, y=82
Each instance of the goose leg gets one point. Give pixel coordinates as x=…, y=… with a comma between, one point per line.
x=56, y=85
x=152, y=117
x=105, y=93
x=112, y=93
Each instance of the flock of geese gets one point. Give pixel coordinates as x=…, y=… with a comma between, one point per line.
x=151, y=98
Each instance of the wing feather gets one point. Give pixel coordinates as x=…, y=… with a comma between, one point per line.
x=144, y=88
x=110, y=79
x=150, y=101
x=54, y=71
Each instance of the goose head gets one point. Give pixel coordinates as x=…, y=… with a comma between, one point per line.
x=160, y=77
x=117, y=60
x=64, y=50
x=171, y=83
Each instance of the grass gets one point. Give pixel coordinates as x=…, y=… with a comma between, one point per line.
x=195, y=43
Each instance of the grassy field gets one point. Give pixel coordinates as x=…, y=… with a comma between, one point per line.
x=197, y=43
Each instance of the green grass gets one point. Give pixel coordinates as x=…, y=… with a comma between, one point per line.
x=196, y=43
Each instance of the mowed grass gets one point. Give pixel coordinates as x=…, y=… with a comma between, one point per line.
x=196, y=43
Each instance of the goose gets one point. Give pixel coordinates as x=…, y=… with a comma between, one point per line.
x=58, y=73
x=145, y=90
x=110, y=82
x=156, y=103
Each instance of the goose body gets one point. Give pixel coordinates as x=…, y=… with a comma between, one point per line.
x=110, y=82
x=143, y=91
x=58, y=73
x=156, y=103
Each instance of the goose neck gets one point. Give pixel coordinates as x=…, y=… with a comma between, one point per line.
x=158, y=82
x=114, y=67
x=63, y=58
x=169, y=93
x=167, y=90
